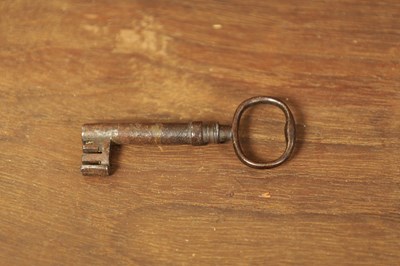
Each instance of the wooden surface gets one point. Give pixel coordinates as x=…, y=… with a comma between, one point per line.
x=336, y=64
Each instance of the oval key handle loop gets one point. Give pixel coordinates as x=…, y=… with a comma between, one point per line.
x=290, y=131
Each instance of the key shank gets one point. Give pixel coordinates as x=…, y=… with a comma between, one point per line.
x=194, y=133
x=97, y=139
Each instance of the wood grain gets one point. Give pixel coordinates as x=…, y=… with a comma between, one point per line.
x=336, y=64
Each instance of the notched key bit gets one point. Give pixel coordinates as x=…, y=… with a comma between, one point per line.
x=96, y=156
x=97, y=139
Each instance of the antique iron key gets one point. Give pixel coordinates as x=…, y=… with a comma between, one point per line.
x=97, y=139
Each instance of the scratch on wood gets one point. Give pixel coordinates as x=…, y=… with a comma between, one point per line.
x=265, y=195
x=217, y=26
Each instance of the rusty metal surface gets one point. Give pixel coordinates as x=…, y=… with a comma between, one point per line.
x=290, y=132
x=194, y=133
x=98, y=138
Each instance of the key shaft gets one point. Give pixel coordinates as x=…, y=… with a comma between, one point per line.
x=194, y=133
x=98, y=138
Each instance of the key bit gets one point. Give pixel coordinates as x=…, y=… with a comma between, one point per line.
x=97, y=139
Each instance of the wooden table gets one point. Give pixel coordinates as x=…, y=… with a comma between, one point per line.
x=335, y=63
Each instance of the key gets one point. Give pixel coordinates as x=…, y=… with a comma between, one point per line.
x=98, y=139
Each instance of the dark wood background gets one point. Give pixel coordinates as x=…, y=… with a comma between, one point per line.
x=336, y=64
